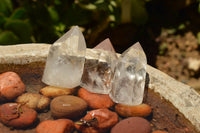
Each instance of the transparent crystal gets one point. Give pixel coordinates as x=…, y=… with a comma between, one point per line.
x=65, y=61
x=129, y=77
x=98, y=73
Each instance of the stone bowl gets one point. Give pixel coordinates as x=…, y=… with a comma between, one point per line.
x=176, y=106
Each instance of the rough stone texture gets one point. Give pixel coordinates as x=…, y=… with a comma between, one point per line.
x=183, y=97
x=165, y=116
x=23, y=53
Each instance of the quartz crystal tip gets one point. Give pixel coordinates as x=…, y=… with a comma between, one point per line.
x=74, y=42
x=65, y=61
x=105, y=45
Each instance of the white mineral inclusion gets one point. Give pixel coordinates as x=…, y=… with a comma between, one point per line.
x=65, y=61
x=129, y=77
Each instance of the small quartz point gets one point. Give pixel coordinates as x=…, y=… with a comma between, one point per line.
x=98, y=73
x=129, y=76
x=65, y=61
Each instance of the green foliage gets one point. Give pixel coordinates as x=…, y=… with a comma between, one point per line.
x=2, y=19
x=138, y=12
x=21, y=29
x=14, y=25
x=42, y=25
x=162, y=48
x=6, y=7
x=19, y=13
x=198, y=37
x=46, y=20
x=198, y=6
x=8, y=37
x=53, y=14
x=23, y=21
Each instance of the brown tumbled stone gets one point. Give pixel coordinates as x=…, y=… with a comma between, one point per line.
x=67, y=106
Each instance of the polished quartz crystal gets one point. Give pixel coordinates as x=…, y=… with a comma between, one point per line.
x=98, y=73
x=129, y=77
x=65, y=61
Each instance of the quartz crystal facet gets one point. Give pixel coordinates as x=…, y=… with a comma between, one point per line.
x=98, y=73
x=129, y=77
x=65, y=61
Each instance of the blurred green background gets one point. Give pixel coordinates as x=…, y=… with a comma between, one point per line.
x=123, y=21
x=26, y=21
x=168, y=30
x=46, y=20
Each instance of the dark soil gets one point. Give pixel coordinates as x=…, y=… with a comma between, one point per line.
x=174, y=55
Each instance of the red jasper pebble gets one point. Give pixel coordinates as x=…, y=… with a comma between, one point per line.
x=141, y=110
x=17, y=115
x=97, y=121
x=11, y=86
x=132, y=125
x=94, y=100
x=55, y=126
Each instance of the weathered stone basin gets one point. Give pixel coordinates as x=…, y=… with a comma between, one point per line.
x=176, y=106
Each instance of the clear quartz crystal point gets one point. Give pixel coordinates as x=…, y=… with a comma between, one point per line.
x=98, y=73
x=65, y=61
x=129, y=76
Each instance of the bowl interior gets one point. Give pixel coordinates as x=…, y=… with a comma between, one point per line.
x=164, y=116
